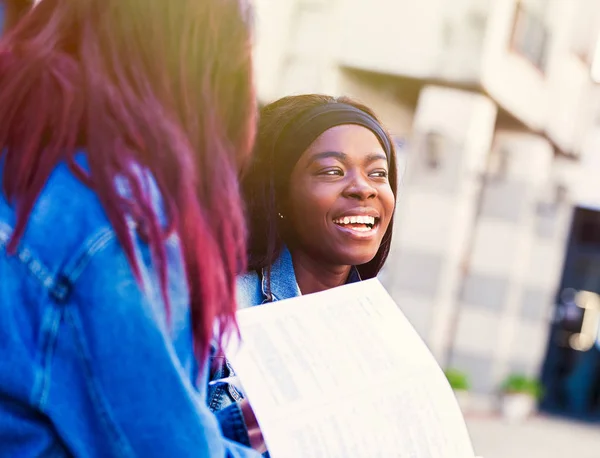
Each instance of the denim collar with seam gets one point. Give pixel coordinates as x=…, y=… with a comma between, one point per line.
x=283, y=278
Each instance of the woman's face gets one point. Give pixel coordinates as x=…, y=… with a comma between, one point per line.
x=340, y=200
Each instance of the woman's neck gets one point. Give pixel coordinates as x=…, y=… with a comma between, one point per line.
x=314, y=276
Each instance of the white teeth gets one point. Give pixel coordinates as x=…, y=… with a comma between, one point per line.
x=356, y=220
x=361, y=229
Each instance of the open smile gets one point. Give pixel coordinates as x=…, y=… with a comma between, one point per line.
x=359, y=226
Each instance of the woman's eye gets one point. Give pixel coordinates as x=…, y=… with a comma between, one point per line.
x=331, y=172
x=379, y=174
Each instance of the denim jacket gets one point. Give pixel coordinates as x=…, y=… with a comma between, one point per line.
x=252, y=290
x=89, y=366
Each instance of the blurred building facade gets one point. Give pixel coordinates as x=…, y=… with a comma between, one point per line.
x=496, y=105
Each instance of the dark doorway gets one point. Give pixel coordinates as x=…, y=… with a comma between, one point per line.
x=571, y=371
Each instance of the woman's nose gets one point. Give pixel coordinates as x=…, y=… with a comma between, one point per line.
x=361, y=189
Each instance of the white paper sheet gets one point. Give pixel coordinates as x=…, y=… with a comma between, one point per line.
x=342, y=373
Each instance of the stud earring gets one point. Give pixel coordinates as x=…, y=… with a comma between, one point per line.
x=280, y=216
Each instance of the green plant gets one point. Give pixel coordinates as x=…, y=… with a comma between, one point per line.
x=518, y=383
x=458, y=379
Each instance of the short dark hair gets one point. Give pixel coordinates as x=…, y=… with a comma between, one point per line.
x=266, y=232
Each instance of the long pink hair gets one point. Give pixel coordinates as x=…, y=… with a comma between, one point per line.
x=164, y=84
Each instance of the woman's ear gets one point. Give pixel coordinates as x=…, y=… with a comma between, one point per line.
x=283, y=211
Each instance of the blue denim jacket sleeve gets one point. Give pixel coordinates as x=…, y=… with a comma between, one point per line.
x=139, y=396
x=223, y=399
x=233, y=425
x=90, y=367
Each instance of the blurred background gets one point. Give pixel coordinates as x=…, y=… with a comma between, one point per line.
x=494, y=105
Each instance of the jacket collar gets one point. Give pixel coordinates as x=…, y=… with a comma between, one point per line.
x=283, y=278
x=354, y=276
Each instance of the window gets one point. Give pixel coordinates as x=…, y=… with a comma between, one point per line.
x=531, y=35
x=586, y=227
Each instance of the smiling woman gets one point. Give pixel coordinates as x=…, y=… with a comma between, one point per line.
x=319, y=159
x=320, y=196
x=340, y=204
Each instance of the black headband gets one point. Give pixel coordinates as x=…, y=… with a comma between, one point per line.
x=298, y=135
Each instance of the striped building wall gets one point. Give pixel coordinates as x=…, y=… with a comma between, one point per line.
x=506, y=298
x=479, y=244
x=452, y=133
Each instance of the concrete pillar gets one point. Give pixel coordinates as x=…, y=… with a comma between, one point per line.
x=294, y=48
x=451, y=138
x=514, y=265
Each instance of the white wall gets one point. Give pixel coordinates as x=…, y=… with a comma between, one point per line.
x=398, y=118
x=295, y=47
x=568, y=80
x=516, y=259
x=509, y=78
x=301, y=46
x=419, y=39
x=436, y=209
x=273, y=19
x=585, y=178
x=552, y=101
x=390, y=36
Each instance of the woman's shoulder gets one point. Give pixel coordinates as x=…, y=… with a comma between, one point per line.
x=65, y=228
x=66, y=213
x=249, y=290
